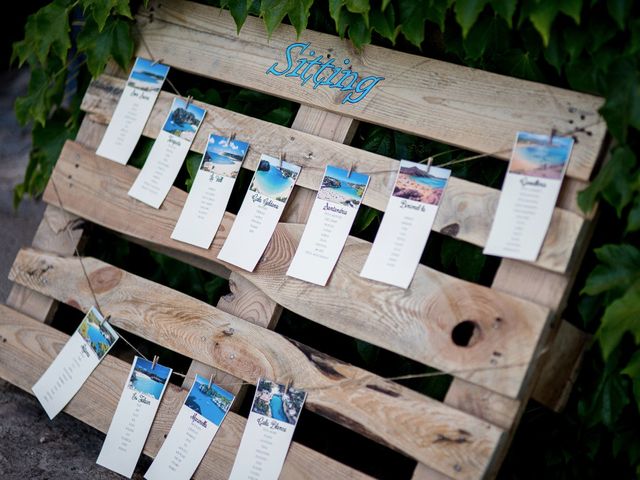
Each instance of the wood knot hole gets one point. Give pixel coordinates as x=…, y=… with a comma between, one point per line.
x=466, y=333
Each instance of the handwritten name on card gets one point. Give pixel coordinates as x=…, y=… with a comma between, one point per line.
x=81, y=354
x=133, y=110
x=529, y=193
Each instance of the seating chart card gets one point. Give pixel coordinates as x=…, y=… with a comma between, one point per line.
x=134, y=415
x=327, y=230
x=406, y=224
x=205, y=206
x=268, y=433
x=168, y=153
x=78, y=358
x=260, y=212
x=192, y=432
x=529, y=193
x=133, y=110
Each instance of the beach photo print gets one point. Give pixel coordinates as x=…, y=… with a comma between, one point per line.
x=147, y=75
x=273, y=400
x=274, y=181
x=184, y=121
x=420, y=183
x=192, y=431
x=223, y=156
x=338, y=186
x=147, y=379
x=98, y=334
x=541, y=156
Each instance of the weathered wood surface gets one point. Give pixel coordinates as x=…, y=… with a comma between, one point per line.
x=416, y=323
x=461, y=106
x=448, y=440
x=28, y=347
x=466, y=211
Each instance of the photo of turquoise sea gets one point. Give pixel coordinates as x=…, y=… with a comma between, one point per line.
x=275, y=401
x=274, y=181
x=148, y=380
x=341, y=188
x=97, y=333
x=147, y=76
x=212, y=402
x=184, y=122
x=223, y=157
x=540, y=156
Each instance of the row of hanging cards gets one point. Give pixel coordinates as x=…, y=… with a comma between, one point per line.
x=133, y=110
x=207, y=201
x=134, y=415
x=260, y=212
x=168, y=153
x=268, y=432
x=82, y=353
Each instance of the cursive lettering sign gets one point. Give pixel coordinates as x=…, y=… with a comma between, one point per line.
x=272, y=424
x=85, y=351
x=333, y=208
x=324, y=73
x=532, y=183
x=201, y=422
x=419, y=207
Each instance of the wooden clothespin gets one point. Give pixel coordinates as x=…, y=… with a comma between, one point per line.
x=429, y=162
x=280, y=159
x=212, y=378
x=286, y=388
x=552, y=134
x=155, y=362
x=231, y=138
x=350, y=169
x=189, y=100
x=155, y=62
x=105, y=319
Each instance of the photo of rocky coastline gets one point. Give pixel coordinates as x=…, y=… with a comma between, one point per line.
x=419, y=183
x=148, y=379
x=341, y=188
x=183, y=122
x=274, y=181
x=97, y=333
x=223, y=156
x=275, y=401
x=540, y=156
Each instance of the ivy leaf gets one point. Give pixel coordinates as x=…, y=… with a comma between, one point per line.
x=467, y=259
x=467, y=12
x=619, y=11
x=299, y=14
x=619, y=268
x=543, y=14
x=100, y=11
x=489, y=31
x=412, y=17
x=359, y=31
x=505, y=8
x=365, y=218
x=335, y=10
x=633, y=371
x=384, y=22
x=633, y=219
x=239, y=10
x=612, y=182
x=193, y=161
x=113, y=41
x=357, y=6
x=522, y=64
x=619, y=318
x=622, y=107
x=273, y=11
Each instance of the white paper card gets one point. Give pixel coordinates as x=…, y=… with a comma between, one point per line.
x=268, y=433
x=406, y=224
x=133, y=110
x=529, y=193
x=134, y=415
x=259, y=213
x=210, y=192
x=326, y=232
x=192, y=432
x=167, y=154
x=81, y=354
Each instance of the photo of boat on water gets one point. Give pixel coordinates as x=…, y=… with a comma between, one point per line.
x=148, y=380
x=224, y=157
x=341, y=188
x=98, y=334
x=147, y=76
x=183, y=122
x=212, y=402
x=272, y=401
x=537, y=155
x=420, y=183
x=274, y=181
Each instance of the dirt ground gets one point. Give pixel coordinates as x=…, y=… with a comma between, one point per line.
x=31, y=445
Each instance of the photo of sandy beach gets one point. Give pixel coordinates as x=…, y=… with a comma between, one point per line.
x=147, y=76
x=540, y=156
x=341, y=188
x=148, y=380
x=274, y=401
x=183, y=122
x=274, y=181
x=223, y=157
x=210, y=401
x=98, y=334
x=420, y=183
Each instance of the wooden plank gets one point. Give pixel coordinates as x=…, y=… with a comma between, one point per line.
x=28, y=347
x=417, y=322
x=450, y=441
x=466, y=211
x=461, y=106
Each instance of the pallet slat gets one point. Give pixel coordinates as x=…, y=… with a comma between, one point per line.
x=466, y=211
x=29, y=347
x=385, y=411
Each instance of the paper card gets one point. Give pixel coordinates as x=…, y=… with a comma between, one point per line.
x=326, y=232
x=133, y=110
x=192, y=432
x=168, y=153
x=134, y=415
x=529, y=193
x=406, y=224
x=210, y=192
x=268, y=433
x=259, y=213
x=81, y=354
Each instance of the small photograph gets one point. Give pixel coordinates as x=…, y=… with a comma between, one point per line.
x=274, y=181
x=148, y=380
x=341, y=188
x=183, y=122
x=212, y=402
x=98, y=334
x=540, y=156
x=224, y=157
x=420, y=183
x=272, y=401
x=147, y=76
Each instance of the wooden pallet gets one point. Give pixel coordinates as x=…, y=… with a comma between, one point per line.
x=520, y=346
